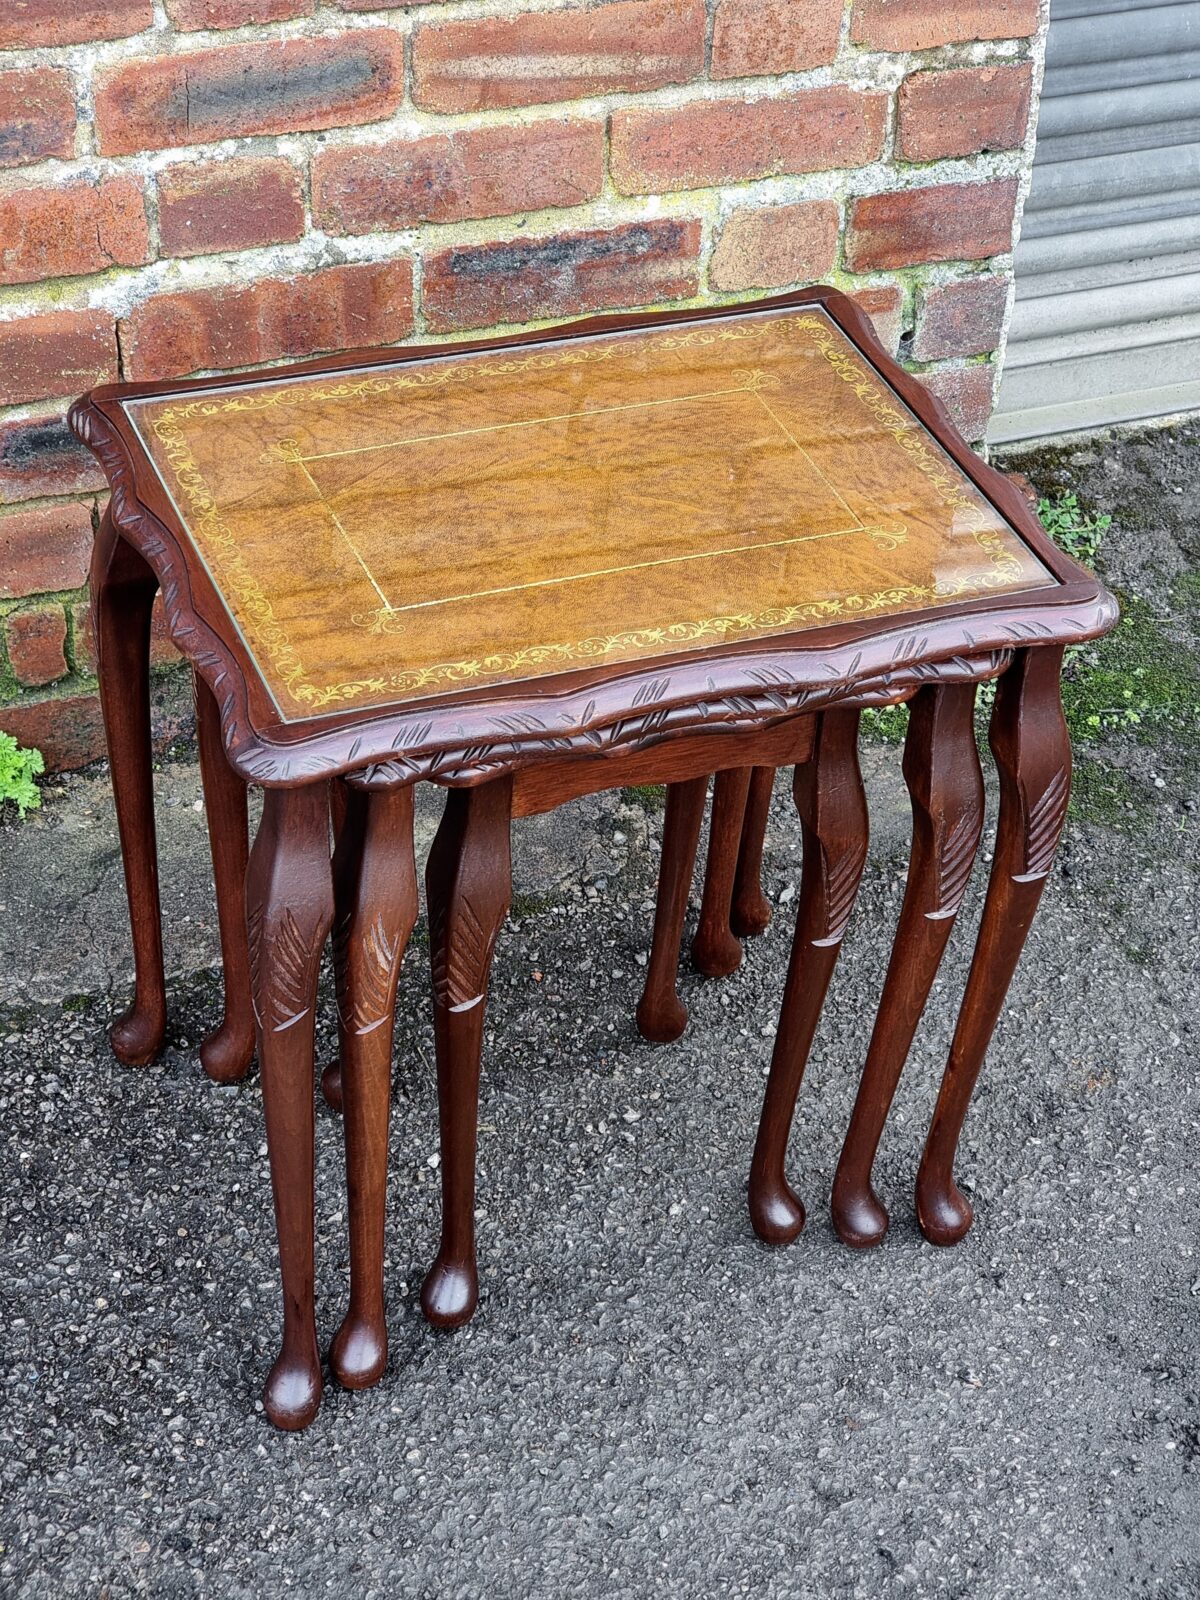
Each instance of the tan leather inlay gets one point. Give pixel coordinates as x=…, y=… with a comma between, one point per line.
x=392, y=532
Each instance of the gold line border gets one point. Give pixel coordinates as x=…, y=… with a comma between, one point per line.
x=260, y=620
x=896, y=535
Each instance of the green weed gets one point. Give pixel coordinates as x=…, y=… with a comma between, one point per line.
x=18, y=768
x=1080, y=535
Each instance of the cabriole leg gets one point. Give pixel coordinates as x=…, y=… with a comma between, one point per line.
x=751, y=910
x=375, y=892
x=945, y=785
x=661, y=1014
x=833, y=811
x=123, y=589
x=226, y=1054
x=715, y=950
x=1029, y=740
x=289, y=908
x=468, y=884
x=339, y=806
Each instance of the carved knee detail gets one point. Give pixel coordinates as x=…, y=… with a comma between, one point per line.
x=1029, y=740
x=833, y=811
x=945, y=784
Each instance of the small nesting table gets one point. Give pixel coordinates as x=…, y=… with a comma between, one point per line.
x=636, y=549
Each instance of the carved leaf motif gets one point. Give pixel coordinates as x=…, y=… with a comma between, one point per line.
x=375, y=962
x=1046, y=817
x=842, y=876
x=281, y=963
x=955, y=862
x=733, y=713
x=459, y=969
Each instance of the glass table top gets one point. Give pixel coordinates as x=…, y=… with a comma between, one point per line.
x=398, y=531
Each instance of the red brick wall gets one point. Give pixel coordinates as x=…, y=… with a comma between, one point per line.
x=193, y=185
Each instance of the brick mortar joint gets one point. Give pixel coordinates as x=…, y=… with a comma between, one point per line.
x=119, y=289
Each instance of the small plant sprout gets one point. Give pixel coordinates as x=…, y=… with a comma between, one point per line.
x=18, y=768
x=1071, y=528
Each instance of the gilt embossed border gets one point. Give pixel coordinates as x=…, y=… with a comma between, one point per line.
x=471, y=734
x=272, y=644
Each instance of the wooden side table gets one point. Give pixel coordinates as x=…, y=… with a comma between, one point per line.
x=520, y=568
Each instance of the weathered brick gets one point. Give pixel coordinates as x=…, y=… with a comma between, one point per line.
x=755, y=37
x=83, y=644
x=37, y=116
x=57, y=354
x=519, y=280
x=41, y=456
x=44, y=549
x=69, y=731
x=961, y=319
x=557, y=55
x=723, y=141
x=191, y=14
x=276, y=318
x=921, y=24
x=383, y=5
x=949, y=222
x=61, y=231
x=966, y=393
x=37, y=645
x=963, y=111
x=34, y=24
x=238, y=89
x=883, y=304
x=448, y=177
x=229, y=205
x=765, y=249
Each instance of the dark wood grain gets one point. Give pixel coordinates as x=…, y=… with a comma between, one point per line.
x=289, y=898
x=227, y=1053
x=123, y=587
x=1032, y=748
x=945, y=784
x=833, y=812
x=716, y=950
x=375, y=894
x=468, y=883
x=661, y=1013
x=750, y=913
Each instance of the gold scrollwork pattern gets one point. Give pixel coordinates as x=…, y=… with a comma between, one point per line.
x=255, y=614
x=954, y=489
x=212, y=534
x=677, y=636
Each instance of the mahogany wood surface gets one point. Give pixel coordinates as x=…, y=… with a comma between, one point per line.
x=716, y=950
x=289, y=898
x=750, y=913
x=375, y=892
x=468, y=885
x=227, y=1053
x=945, y=784
x=829, y=797
x=123, y=586
x=661, y=1014
x=1032, y=749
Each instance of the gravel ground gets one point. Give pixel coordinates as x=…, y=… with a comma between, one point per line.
x=648, y=1399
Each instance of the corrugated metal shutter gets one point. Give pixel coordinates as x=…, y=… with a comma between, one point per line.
x=1106, y=326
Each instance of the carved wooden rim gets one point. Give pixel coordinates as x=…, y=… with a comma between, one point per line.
x=468, y=736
